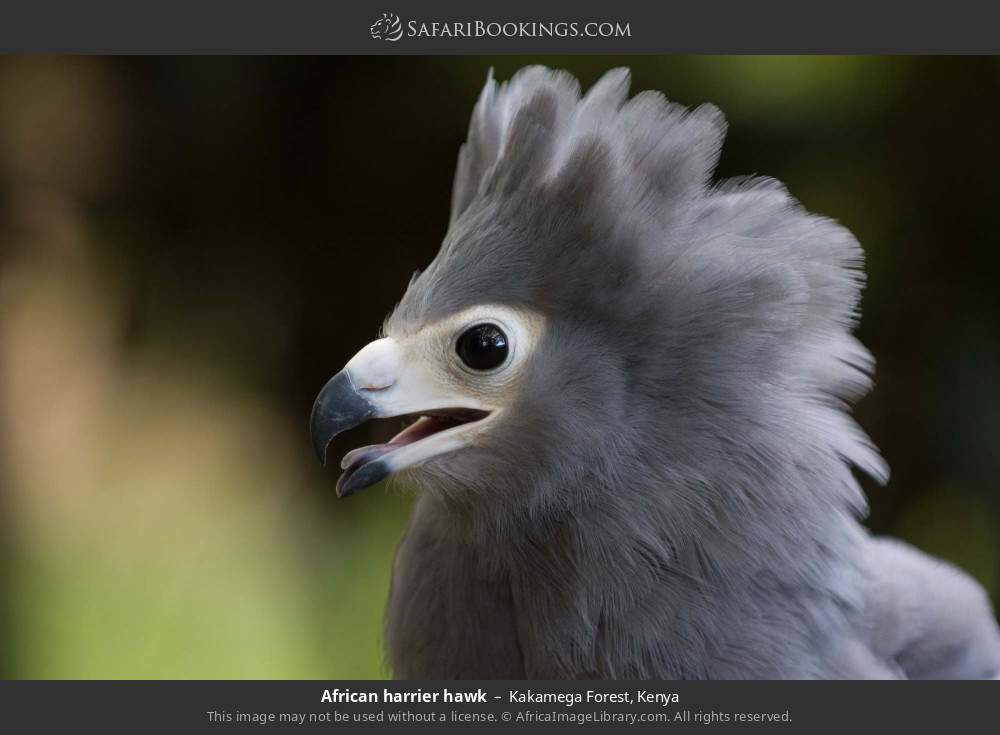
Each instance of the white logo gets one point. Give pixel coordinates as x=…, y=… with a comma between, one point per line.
x=387, y=28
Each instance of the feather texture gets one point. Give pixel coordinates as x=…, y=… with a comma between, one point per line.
x=672, y=494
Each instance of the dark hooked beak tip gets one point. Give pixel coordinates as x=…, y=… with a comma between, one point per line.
x=338, y=407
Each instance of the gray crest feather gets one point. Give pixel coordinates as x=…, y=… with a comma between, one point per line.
x=596, y=202
x=670, y=492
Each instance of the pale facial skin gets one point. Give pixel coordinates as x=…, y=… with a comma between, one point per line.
x=457, y=374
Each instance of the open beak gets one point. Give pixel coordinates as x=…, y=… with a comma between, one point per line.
x=379, y=383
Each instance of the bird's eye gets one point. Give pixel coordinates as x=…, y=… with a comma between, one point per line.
x=482, y=347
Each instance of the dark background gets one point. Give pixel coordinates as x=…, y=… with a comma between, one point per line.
x=189, y=247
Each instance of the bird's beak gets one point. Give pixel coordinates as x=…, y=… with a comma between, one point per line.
x=381, y=382
x=338, y=407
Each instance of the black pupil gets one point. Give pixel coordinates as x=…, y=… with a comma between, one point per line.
x=483, y=347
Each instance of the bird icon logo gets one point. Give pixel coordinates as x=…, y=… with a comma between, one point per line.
x=387, y=28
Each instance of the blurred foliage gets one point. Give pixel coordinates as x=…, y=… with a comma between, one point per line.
x=189, y=247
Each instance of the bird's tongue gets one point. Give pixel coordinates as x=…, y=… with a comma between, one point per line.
x=363, y=455
x=423, y=427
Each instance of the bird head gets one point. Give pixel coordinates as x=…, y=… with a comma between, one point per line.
x=601, y=317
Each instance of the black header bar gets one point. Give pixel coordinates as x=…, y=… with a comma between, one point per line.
x=512, y=26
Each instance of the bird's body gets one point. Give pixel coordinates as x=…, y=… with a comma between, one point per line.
x=581, y=600
x=635, y=457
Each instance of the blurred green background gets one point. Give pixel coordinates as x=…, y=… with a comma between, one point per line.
x=189, y=247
